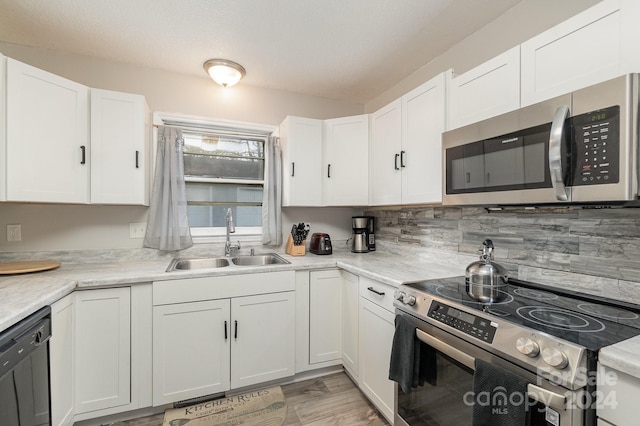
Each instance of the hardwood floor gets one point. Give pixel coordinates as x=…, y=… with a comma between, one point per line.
x=329, y=400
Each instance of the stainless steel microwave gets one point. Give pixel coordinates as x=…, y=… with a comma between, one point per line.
x=581, y=147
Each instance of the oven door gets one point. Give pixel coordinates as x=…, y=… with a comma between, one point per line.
x=448, y=401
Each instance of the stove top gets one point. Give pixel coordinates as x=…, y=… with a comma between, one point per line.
x=588, y=321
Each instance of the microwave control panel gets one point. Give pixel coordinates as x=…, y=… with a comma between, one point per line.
x=597, y=147
x=472, y=325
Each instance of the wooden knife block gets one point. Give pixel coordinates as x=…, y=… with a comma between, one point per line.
x=294, y=250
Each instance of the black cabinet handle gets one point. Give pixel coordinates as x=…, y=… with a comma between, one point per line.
x=293, y=169
x=329, y=170
x=225, y=330
x=402, y=153
x=396, y=162
x=137, y=159
x=235, y=335
x=84, y=155
x=379, y=293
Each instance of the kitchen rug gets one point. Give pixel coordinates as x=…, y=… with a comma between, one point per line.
x=265, y=407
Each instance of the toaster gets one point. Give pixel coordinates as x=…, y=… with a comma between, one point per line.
x=320, y=244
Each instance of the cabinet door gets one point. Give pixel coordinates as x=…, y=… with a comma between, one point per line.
x=119, y=141
x=423, y=121
x=48, y=149
x=347, y=161
x=488, y=90
x=384, y=162
x=301, y=142
x=579, y=52
x=325, y=316
x=3, y=125
x=103, y=343
x=350, y=326
x=376, y=337
x=62, y=361
x=191, y=350
x=263, y=337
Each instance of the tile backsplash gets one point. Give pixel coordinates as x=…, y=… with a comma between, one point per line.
x=596, y=250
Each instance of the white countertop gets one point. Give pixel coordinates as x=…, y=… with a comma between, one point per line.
x=21, y=295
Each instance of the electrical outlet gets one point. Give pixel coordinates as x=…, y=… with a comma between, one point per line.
x=14, y=233
x=137, y=230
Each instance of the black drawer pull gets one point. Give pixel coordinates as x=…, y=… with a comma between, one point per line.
x=395, y=165
x=329, y=171
x=225, y=330
x=84, y=154
x=235, y=336
x=293, y=169
x=137, y=159
x=379, y=293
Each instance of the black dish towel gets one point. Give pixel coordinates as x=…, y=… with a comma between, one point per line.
x=500, y=396
x=411, y=363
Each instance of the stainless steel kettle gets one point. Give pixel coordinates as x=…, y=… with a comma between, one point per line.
x=485, y=279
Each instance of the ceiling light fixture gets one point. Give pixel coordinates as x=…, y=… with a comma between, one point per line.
x=225, y=73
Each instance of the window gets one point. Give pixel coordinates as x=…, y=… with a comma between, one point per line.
x=222, y=172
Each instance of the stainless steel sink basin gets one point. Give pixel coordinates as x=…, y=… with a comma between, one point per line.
x=259, y=260
x=203, y=263
x=186, y=264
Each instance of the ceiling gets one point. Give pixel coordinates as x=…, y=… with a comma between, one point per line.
x=351, y=50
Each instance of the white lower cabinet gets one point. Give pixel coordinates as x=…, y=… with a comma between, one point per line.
x=376, y=337
x=325, y=316
x=350, y=324
x=203, y=347
x=617, y=397
x=61, y=360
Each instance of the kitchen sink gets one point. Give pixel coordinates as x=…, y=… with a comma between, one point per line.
x=258, y=260
x=202, y=263
x=184, y=264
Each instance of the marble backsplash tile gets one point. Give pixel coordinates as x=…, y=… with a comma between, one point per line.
x=593, y=250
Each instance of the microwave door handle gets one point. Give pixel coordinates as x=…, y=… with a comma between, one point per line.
x=463, y=358
x=555, y=153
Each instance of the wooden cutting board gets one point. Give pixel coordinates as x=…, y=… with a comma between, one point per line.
x=25, y=266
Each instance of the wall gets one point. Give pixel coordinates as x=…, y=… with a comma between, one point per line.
x=595, y=250
x=523, y=21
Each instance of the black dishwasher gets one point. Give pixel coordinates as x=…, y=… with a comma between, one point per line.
x=24, y=371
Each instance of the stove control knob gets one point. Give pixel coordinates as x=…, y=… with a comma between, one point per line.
x=400, y=296
x=555, y=358
x=527, y=347
x=411, y=301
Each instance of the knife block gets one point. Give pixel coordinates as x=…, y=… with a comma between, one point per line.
x=293, y=249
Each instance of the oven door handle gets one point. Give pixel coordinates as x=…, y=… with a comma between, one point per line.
x=463, y=358
x=546, y=397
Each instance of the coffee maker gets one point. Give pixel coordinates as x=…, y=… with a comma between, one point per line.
x=371, y=225
x=360, y=236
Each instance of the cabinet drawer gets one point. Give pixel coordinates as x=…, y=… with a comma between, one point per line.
x=379, y=293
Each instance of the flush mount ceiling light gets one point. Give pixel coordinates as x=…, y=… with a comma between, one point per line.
x=225, y=73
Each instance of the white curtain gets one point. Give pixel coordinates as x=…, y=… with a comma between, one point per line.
x=272, y=194
x=168, y=224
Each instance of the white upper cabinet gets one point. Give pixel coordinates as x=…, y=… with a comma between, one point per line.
x=487, y=90
x=119, y=148
x=423, y=121
x=384, y=155
x=406, y=146
x=301, y=141
x=581, y=51
x=48, y=150
x=346, y=174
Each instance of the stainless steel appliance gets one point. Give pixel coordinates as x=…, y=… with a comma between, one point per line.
x=24, y=371
x=320, y=244
x=547, y=337
x=581, y=147
x=359, y=238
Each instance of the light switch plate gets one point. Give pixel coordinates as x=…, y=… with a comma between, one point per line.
x=137, y=230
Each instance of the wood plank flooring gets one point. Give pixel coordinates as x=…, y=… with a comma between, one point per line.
x=328, y=400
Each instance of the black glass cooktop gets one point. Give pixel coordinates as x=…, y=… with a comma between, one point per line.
x=590, y=321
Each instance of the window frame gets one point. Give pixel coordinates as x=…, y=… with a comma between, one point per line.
x=214, y=234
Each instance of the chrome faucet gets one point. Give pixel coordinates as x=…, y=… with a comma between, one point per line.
x=231, y=228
